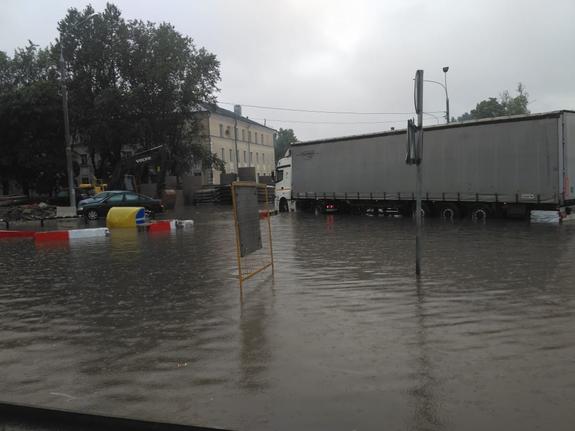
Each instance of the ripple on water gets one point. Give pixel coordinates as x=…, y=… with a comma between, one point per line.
x=344, y=338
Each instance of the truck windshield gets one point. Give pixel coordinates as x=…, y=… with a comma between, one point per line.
x=279, y=175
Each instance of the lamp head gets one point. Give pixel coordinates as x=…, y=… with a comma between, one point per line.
x=445, y=69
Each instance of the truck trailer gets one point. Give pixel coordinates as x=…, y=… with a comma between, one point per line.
x=504, y=166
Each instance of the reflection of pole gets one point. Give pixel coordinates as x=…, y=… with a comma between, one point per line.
x=419, y=157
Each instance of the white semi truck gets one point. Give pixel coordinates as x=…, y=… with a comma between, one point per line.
x=504, y=166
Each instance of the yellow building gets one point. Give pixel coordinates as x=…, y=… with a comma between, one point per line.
x=225, y=132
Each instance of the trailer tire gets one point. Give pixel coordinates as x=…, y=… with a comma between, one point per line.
x=449, y=212
x=425, y=210
x=480, y=212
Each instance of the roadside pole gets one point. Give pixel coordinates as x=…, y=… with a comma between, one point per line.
x=419, y=157
x=69, y=163
x=414, y=156
x=237, y=112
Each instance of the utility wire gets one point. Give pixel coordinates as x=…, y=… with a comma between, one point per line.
x=327, y=122
x=337, y=122
x=320, y=111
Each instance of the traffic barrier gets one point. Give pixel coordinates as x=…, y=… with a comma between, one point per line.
x=16, y=234
x=183, y=224
x=122, y=217
x=69, y=235
x=162, y=226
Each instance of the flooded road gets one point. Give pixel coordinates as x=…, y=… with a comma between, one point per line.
x=344, y=337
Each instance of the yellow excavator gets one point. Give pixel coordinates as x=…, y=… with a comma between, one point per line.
x=95, y=188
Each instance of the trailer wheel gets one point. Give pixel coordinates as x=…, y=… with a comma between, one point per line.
x=283, y=207
x=480, y=213
x=449, y=212
x=425, y=210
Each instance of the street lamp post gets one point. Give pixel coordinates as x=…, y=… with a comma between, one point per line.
x=445, y=69
x=68, y=138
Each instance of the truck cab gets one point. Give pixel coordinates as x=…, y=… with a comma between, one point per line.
x=283, y=186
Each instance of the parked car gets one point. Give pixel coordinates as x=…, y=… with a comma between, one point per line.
x=98, y=197
x=62, y=198
x=99, y=207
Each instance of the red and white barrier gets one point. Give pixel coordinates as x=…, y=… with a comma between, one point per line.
x=16, y=234
x=74, y=234
x=162, y=226
x=71, y=235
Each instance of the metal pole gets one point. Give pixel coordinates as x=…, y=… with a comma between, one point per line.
x=249, y=149
x=419, y=157
x=445, y=69
x=69, y=164
x=236, y=143
x=67, y=137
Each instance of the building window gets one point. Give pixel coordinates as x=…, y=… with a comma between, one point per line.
x=231, y=155
x=221, y=130
x=249, y=136
x=257, y=158
x=223, y=155
x=263, y=158
x=243, y=134
x=237, y=155
x=85, y=180
x=251, y=157
x=245, y=157
x=83, y=159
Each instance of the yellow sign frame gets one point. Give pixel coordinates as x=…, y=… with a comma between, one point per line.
x=245, y=276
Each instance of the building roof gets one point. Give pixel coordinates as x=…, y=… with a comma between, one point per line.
x=213, y=108
x=483, y=121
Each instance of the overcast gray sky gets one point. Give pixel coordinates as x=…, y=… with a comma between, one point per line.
x=353, y=55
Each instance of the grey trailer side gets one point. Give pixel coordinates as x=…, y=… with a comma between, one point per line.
x=567, y=134
x=513, y=160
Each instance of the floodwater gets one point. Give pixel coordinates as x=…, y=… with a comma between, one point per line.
x=343, y=338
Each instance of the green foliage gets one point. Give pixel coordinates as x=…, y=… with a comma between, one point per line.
x=285, y=138
x=136, y=84
x=31, y=126
x=507, y=105
x=132, y=85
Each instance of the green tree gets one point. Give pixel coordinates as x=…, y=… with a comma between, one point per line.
x=284, y=139
x=506, y=105
x=32, y=151
x=131, y=84
x=136, y=84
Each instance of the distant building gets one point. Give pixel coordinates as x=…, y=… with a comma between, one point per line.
x=216, y=131
x=255, y=142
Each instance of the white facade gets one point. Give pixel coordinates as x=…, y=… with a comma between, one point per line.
x=252, y=139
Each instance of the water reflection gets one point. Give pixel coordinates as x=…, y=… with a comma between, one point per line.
x=344, y=337
x=427, y=413
x=255, y=348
